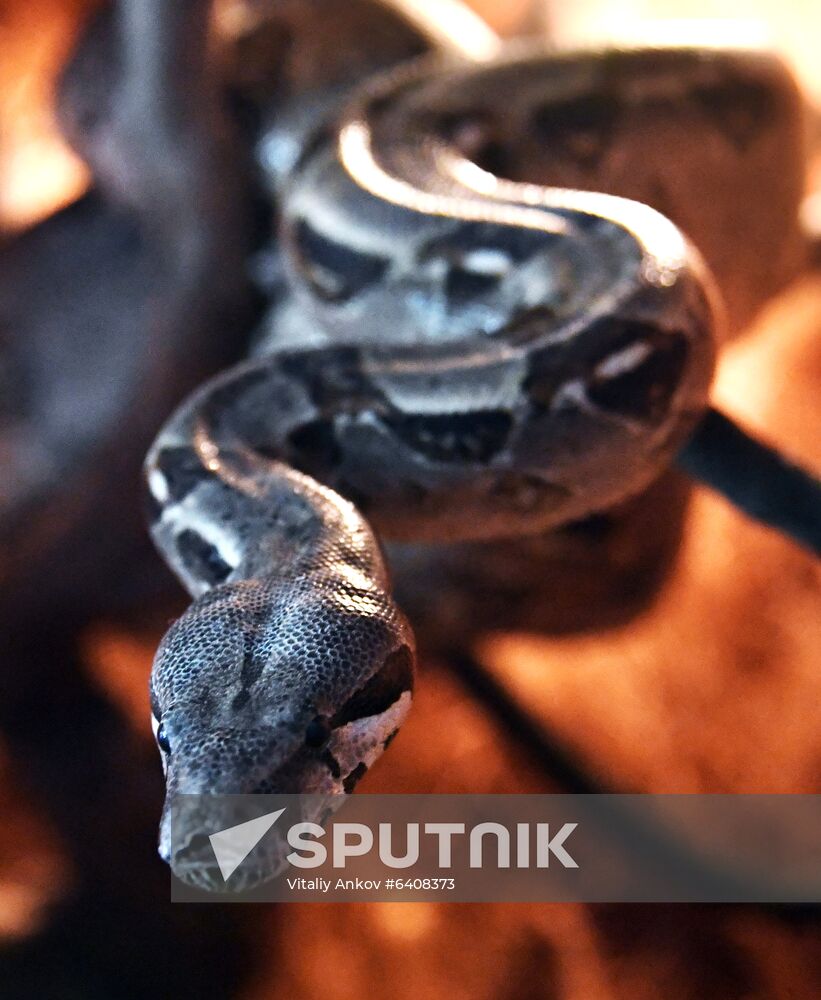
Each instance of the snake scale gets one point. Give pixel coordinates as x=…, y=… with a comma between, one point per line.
x=464, y=355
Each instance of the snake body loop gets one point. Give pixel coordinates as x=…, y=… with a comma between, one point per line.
x=461, y=357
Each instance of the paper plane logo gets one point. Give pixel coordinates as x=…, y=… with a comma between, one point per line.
x=232, y=845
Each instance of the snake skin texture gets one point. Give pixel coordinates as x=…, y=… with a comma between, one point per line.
x=462, y=358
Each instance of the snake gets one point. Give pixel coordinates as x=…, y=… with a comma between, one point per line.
x=464, y=355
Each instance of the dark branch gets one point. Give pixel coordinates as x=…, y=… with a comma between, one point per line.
x=756, y=478
x=540, y=747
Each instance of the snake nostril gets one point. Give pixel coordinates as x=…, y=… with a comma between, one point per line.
x=196, y=850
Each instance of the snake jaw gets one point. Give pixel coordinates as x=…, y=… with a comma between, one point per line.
x=322, y=776
x=201, y=780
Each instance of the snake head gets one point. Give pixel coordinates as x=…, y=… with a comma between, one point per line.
x=262, y=688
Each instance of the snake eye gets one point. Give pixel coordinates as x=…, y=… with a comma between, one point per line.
x=318, y=731
x=162, y=739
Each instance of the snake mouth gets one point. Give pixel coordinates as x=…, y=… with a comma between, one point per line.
x=198, y=864
x=214, y=863
x=191, y=822
x=209, y=877
x=195, y=864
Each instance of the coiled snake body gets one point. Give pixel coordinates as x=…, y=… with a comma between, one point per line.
x=489, y=358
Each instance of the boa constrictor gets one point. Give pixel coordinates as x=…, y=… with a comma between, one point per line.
x=463, y=357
